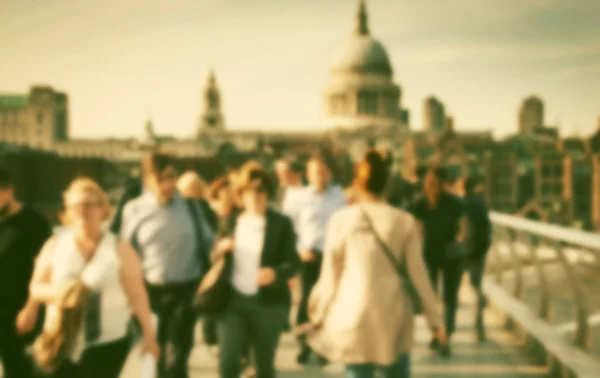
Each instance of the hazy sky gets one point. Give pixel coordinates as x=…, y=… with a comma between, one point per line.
x=122, y=61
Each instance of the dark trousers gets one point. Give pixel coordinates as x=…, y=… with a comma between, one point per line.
x=476, y=271
x=172, y=304
x=12, y=349
x=309, y=274
x=105, y=360
x=451, y=270
x=247, y=321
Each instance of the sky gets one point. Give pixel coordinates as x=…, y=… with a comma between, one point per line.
x=124, y=61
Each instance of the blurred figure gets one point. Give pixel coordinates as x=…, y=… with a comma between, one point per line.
x=264, y=259
x=222, y=200
x=133, y=189
x=289, y=180
x=190, y=185
x=174, y=237
x=440, y=215
x=84, y=256
x=360, y=311
x=22, y=233
x=315, y=205
x=478, y=242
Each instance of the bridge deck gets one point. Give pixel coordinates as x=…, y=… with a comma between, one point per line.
x=499, y=357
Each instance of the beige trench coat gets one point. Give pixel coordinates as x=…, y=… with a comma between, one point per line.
x=359, y=300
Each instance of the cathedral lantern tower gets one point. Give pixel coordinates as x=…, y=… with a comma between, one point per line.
x=211, y=119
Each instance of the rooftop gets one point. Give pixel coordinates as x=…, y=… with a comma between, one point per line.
x=13, y=101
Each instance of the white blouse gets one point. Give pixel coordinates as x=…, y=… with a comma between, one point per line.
x=249, y=239
x=102, y=275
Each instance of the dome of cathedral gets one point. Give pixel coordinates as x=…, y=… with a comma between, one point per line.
x=362, y=53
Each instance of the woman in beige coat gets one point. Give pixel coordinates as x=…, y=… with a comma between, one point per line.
x=361, y=314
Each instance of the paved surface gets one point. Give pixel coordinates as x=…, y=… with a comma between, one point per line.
x=499, y=357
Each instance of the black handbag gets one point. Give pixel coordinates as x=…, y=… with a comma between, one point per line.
x=214, y=292
x=417, y=305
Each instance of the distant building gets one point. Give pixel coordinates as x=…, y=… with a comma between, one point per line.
x=434, y=115
x=531, y=115
x=38, y=119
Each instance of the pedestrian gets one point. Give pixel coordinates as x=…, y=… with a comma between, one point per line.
x=23, y=231
x=85, y=257
x=479, y=240
x=264, y=259
x=191, y=185
x=315, y=205
x=360, y=310
x=173, y=237
x=440, y=215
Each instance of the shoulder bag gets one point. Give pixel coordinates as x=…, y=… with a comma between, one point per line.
x=409, y=288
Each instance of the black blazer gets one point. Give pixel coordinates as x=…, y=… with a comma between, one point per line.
x=279, y=252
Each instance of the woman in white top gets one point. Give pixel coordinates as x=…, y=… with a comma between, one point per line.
x=264, y=259
x=107, y=267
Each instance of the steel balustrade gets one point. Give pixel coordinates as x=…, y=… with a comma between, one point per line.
x=517, y=232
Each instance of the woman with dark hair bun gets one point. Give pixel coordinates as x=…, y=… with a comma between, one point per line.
x=361, y=312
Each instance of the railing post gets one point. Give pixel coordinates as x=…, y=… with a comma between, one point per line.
x=583, y=335
x=533, y=243
x=499, y=261
x=516, y=262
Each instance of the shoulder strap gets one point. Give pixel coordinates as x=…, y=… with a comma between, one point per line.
x=383, y=246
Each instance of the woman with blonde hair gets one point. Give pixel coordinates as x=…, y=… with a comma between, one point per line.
x=361, y=310
x=87, y=278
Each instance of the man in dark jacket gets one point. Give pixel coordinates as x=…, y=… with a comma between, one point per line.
x=478, y=240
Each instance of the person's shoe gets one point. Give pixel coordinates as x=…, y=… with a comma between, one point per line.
x=445, y=350
x=434, y=344
x=304, y=356
x=249, y=372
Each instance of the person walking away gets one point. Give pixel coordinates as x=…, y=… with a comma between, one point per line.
x=440, y=215
x=22, y=233
x=133, y=189
x=173, y=239
x=360, y=311
x=315, y=206
x=479, y=240
x=106, y=268
x=264, y=259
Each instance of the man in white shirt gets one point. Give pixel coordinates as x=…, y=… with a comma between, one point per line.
x=313, y=207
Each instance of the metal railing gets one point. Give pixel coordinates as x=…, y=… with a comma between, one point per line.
x=520, y=243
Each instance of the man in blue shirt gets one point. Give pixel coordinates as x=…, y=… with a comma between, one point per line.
x=314, y=206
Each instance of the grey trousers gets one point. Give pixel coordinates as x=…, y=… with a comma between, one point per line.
x=247, y=321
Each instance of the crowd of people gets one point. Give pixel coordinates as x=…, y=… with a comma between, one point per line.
x=360, y=267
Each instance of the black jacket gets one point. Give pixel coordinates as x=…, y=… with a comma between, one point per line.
x=279, y=252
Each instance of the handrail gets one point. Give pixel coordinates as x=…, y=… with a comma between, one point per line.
x=553, y=232
x=513, y=230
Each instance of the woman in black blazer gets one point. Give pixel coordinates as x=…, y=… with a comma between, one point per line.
x=264, y=254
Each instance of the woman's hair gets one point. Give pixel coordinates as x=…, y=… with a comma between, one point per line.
x=254, y=176
x=371, y=173
x=216, y=186
x=86, y=185
x=190, y=185
x=440, y=174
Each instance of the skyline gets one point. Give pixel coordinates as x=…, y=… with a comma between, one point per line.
x=121, y=63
